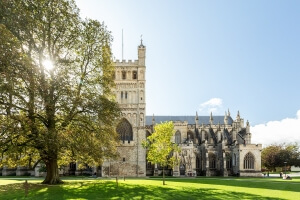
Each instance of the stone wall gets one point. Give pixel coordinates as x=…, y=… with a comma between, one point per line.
x=254, y=149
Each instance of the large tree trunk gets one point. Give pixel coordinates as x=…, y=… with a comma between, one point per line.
x=52, y=172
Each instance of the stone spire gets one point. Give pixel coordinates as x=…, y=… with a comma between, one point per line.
x=225, y=118
x=141, y=45
x=197, y=119
x=248, y=134
x=141, y=53
x=211, y=119
x=247, y=127
x=238, y=117
x=228, y=113
x=153, y=119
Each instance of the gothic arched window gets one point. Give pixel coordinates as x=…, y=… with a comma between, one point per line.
x=212, y=160
x=134, y=75
x=124, y=129
x=190, y=135
x=234, y=160
x=123, y=75
x=228, y=161
x=178, y=137
x=249, y=161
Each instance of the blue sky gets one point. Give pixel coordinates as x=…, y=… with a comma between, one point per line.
x=211, y=55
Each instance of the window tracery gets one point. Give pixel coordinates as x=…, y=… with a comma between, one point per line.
x=212, y=160
x=124, y=129
x=228, y=161
x=249, y=161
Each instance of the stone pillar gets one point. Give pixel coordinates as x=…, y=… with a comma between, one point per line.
x=194, y=173
x=207, y=173
x=176, y=171
x=155, y=170
x=37, y=170
x=225, y=172
x=21, y=171
x=77, y=172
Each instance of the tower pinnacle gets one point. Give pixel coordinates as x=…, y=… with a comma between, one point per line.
x=141, y=45
x=211, y=119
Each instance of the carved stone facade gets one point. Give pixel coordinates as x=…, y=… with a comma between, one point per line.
x=211, y=145
x=130, y=94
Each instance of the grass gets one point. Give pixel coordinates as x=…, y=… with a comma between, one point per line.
x=193, y=188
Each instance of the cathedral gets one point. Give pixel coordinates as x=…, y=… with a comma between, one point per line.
x=210, y=145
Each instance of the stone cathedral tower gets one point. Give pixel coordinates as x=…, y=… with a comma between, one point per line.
x=130, y=94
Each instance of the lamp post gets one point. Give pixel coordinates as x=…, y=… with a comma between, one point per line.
x=285, y=168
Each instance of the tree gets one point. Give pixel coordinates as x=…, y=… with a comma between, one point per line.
x=160, y=148
x=275, y=155
x=56, y=76
x=290, y=153
x=270, y=158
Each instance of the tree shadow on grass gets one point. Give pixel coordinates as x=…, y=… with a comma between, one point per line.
x=109, y=190
x=248, y=183
x=17, y=190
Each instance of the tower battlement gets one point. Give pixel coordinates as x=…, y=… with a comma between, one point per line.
x=126, y=62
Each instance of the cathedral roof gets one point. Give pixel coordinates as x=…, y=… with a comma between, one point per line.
x=190, y=119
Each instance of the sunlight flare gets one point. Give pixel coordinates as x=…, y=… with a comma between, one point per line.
x=48, y=64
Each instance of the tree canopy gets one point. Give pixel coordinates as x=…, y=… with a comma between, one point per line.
x=277, y=154
x=56, y=76
x=159, y=146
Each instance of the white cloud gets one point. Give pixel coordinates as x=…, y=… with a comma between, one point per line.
x=213, y=105
x=284, y=131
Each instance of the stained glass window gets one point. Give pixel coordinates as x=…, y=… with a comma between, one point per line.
x=124, y=129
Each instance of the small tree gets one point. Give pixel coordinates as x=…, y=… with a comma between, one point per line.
x=160, y=148
x=270, y=158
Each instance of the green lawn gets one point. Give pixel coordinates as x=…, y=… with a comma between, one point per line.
x=176, y=188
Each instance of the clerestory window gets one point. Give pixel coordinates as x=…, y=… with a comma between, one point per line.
x=177, y=137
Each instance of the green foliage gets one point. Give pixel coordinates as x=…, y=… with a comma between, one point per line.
x=159, y=145
x=64, y=113
x=275, y=155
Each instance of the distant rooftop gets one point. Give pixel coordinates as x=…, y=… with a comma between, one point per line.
x=190, y=119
